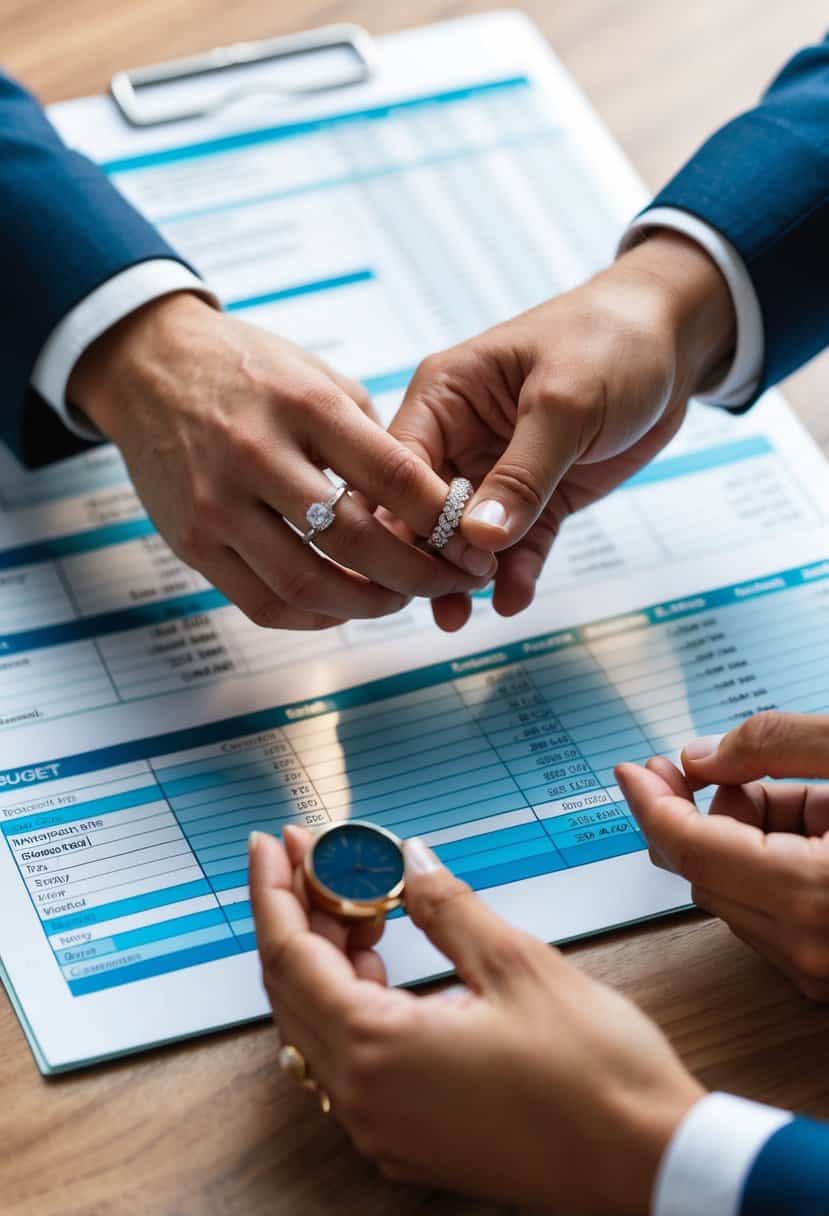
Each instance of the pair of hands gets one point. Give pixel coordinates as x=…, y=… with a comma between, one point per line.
x=515, y=1087
x=226, y=431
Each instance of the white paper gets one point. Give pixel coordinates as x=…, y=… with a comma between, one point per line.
x=146, y=727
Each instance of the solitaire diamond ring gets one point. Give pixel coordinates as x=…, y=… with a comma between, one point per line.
x=320, y=515
x=460, y=492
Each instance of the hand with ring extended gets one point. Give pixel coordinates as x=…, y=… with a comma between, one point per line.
x=553, y=409
x=226, y=431
x=511, y=1089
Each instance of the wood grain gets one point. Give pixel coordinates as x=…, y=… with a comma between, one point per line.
x=209, y=1128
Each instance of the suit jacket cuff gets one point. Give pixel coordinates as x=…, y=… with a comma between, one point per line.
x=739, y=385
x=711, y=1155
x=92, y=317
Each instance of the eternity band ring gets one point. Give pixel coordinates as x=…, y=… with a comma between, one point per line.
x=320, y=515
x=460, y=492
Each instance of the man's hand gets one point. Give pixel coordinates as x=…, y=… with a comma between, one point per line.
x=225, y=429
x=760, y=859
x=552, y=410
x=535, y=1085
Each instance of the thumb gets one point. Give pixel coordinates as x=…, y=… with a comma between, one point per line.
x=485, y=950
x=544, y=445
x=770, y=744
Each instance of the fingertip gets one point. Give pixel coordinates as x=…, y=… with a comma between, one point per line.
x=451, y=612
x=625, y=772
x=419, y=858
x=297, y=842
x=268, y=864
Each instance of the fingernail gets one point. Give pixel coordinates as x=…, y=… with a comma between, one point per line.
x=419, y=857
x=701, y=749
x=489, y=512
x=476, y=561
x=253, y=841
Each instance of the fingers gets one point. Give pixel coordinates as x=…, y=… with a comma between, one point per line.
x=770, y=744
x=797, y=809
x=301, y=970
x=487, y=953
x=451, y=612
x=356, y=539
x=302, y=579
x=259, y=602
x=514, y=493
x=716, y=852
x=375, y=463
x=354, y=940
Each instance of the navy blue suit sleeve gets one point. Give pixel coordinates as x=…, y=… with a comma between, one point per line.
x=791, y=1175
x=64, y=230
x=763, y=182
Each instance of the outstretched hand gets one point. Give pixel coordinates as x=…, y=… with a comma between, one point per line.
x=760, y=858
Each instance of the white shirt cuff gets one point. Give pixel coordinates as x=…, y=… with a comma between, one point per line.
x=740, y=382
x=711, y=1155
x=97, y=313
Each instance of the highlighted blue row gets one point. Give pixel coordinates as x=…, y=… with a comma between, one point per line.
x=181, y=959
x=179, y=926
x=125, y=907
x=397, y=685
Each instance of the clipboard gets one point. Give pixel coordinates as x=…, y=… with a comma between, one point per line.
x=263, y=59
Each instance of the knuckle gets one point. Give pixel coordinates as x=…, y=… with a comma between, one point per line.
x=581, y=404
x=519, y=481
x=321, y=398
x=435, y=905
x=267, y=614
x=811, y=960
x=360, y=394
x=354, y=540
x=761, y=733
x=514, y=954
x=300, y=587
x=251, y=453
x=433, y=367
x=400, y=469
x=275, y=957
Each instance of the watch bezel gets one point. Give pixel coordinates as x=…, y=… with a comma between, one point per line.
x=352, y=909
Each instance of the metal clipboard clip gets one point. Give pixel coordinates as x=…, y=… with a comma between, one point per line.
x=356, y=42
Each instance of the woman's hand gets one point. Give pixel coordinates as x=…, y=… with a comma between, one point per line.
x=760, y=859
x=552, y=410
x=534, y=1085
x=225, y=429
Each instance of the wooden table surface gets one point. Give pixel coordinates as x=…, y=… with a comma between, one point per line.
x=210, y=1127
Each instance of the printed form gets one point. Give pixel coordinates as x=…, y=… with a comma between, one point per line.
x=146, y=727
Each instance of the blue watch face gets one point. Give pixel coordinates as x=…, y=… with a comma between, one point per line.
x=357, y=862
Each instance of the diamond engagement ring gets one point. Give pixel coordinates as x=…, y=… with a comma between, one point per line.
x=320, y=515
x=460, y=492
